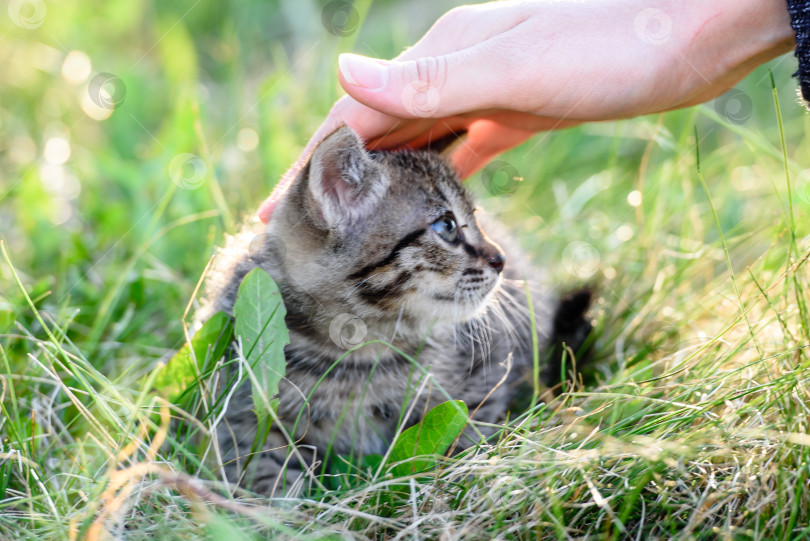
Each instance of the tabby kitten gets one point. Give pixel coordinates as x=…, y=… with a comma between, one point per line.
x=382, y=246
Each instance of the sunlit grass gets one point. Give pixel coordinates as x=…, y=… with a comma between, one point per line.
x=692, y=422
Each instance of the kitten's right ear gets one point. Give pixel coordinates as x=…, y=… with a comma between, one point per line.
x=345, y=184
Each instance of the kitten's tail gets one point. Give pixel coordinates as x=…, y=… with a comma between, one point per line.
x=571, y=332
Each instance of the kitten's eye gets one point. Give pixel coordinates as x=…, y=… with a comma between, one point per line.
x=446, y=228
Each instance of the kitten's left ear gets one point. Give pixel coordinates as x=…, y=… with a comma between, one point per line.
x=345, y=184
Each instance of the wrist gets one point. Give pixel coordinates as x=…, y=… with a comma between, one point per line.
x=729, y=34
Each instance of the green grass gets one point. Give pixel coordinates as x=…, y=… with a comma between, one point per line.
x=694, y=424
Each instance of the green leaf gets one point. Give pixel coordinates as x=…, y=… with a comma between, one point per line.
x=430, y=438
x=209, y=343
x=259, y=313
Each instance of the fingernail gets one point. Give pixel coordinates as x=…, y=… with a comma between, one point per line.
x=364, y=72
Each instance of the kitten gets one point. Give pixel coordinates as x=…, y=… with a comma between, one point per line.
x=383, y=246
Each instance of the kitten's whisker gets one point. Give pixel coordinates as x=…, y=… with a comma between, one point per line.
x=498, y=310
x=455, y=318
x=520, y=318
x=399, y=320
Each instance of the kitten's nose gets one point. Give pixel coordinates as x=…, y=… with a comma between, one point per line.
x=496, y=261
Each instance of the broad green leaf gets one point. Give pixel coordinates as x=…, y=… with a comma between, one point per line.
x=259, y=313
x=209, y=343
x=431, y=437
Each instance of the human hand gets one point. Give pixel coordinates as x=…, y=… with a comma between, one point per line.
x=503, y=71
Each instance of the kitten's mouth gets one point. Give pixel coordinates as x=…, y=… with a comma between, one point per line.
x=466, y=293
x=471, y=297
x=486, y=283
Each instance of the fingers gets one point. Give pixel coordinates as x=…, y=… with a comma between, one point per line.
x=485, y=140
x=420, y=133
x=464, y=63
x=402, y=135
x=427, y=87
x=488, y=138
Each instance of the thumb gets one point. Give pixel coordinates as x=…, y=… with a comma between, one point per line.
x=427, y=87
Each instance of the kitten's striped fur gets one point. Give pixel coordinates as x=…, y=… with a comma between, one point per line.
x=355, y=235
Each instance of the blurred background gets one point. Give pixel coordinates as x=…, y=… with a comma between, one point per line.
x=134, y=133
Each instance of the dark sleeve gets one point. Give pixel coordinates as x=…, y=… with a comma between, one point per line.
x=800, y=20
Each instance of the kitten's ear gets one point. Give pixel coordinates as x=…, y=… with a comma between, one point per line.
x=345, y=184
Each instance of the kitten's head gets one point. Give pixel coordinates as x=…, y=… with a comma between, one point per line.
x=383, y=235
